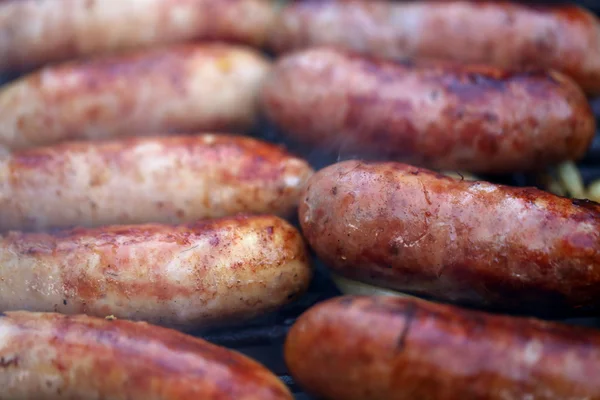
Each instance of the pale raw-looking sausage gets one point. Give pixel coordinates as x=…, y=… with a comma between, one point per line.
x=46, y=356
x=183, y=88
x=438, y=115
x=366, y=348
x=35, y=32
x=504, y=34
x=476, y=243
x=139, y=180
x=211, y=273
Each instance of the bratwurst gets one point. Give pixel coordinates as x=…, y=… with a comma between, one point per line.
x=366, y=348
x=438, y=115
x=35, y=32
x=504, y=34
x=184, y=88
x=216, y=272
x=161, y=179
x=54, y=357
x=475, y=243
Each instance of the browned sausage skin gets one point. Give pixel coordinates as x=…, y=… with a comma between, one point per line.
x=438, y=115
x=35, y=32
x=376, y=348
x=476, y=243
x=509, y=35
x=53, y=357
x=211, y=273
x=139, y=180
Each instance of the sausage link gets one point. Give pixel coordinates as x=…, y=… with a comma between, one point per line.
x=439, y=115
x=508, y=35
x=366, y=348
x=47, y=356
x=184, y=88
x=217, y=272
x=36, y=32
x=475, y=243
x=141, y=180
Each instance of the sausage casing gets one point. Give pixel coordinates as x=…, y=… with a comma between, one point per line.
x=363, y=348
x=476, y=243
x=49, y=356
x=160, y=179
x=216, y=272
x=504, y=34
x=34, y=32
x=438, y=115
x=183, y=88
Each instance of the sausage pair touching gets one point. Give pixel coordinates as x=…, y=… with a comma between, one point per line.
x=214, y=272
x=434, y=114
x=474, y=243
x=503, y=34
x=139, y=180
x=367, y=348
x=183, y=88
x=52, y=356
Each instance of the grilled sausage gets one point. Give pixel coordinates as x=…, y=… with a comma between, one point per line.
x=363, y=348
x=51, y=357
x=140, y=180
x=508, y=35
x=185, y=88
x=438, y=115
x=217, y=272
x=35, y=32
x=476, y=243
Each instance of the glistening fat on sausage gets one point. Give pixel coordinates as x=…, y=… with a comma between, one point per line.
x=54, y=357
x=182, y=88
x=138, y=180
x=476, y=243
x=365, y=348
x=211, y=273
x=438, y=115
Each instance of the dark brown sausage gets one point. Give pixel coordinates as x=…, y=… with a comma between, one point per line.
x=438, y=115
x=509, y=35
x=476, y=243
x=367, y=348
x=54, y=357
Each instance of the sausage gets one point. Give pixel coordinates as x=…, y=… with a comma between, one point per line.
x=138, y=180
x=508, y=35
x=475, y=243
x=184, y=88
x=211, y=273
x=434, y=114
x=36, y=32
x=50, y=356
x=362, y=348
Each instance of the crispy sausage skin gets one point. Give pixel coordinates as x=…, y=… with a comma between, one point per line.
x=49, y=356
x=438, y=115
x=476, y=243
x=184, y=88
x=160, y=179
x=508, y=35
x=216, y=272
x=35, y=32
x=366, y=348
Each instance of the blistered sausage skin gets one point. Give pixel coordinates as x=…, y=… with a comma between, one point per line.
x=367, y=348
x=183, y=88
x=508, y=35
x=34, y=32
x=476, y=243
x=160, y=179
x=216, y=272
x=48, y=356
x=439, y=115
